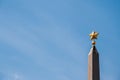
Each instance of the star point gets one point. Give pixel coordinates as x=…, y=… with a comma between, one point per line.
x=93, y=36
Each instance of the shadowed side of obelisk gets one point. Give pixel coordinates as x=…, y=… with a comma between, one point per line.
x=93, y=64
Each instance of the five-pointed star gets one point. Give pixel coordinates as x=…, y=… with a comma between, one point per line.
x=93, y=35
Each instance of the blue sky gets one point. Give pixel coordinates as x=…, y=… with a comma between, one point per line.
x=48, y=39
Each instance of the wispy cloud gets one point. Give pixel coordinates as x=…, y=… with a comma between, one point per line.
x=11, y=76
x=26, y=42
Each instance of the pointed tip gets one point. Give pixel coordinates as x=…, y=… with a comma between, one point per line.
x=93, y=46
x=93, y=50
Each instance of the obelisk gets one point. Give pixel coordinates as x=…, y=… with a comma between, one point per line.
x=93, y=60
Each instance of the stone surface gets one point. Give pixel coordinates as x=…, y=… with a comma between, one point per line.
x=93, y=64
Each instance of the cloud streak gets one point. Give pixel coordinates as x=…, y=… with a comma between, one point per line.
x=26, y=42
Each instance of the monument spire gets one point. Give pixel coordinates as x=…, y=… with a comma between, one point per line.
x=93, y=60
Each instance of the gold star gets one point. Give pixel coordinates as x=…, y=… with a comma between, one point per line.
x=93, y=35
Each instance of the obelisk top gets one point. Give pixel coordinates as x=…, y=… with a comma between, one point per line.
x=93, y=36
x=93, y=59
